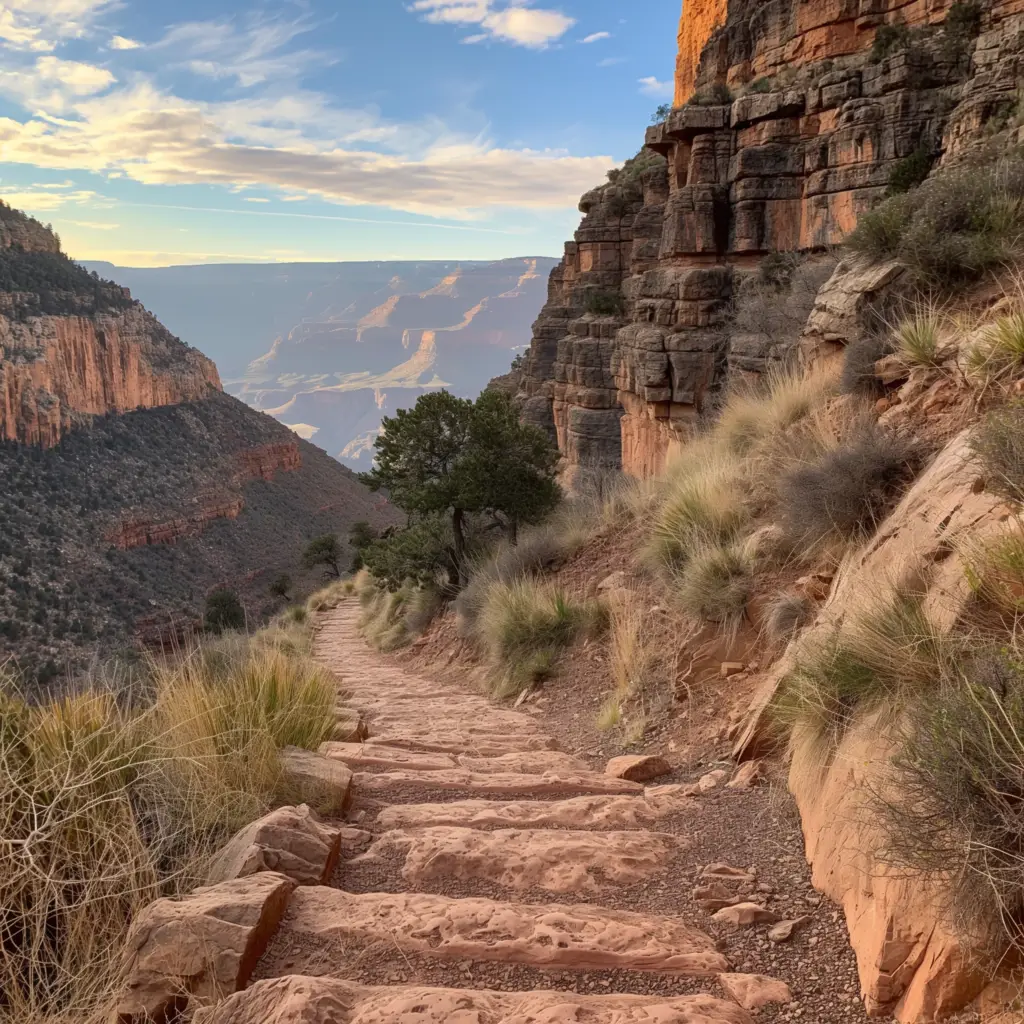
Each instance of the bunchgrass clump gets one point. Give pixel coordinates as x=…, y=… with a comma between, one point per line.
x=107, y=803
x=995, y=571
x=785, y=616
x=886, y=656
x=957, y=787
x=845, y=494
x=525, y=625
x=717, y=583
x=958, y=226
x=998, y=444
x=918, y=338
x=999, y=353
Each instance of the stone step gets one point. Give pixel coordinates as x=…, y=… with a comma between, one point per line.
x=451, y=740
x=557, y=860
x=377, y=755
x=581, y=812
x=389, y=785
x=308, y=1000
x=580, y=937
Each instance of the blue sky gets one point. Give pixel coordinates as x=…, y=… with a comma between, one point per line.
x=154, y=133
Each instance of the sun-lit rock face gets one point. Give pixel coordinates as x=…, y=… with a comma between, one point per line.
x=73, y=347
x=637, y=335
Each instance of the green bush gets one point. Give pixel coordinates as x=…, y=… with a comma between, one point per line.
x=224, y=611
x=998, y=443
x=714, y=95
x=909, y=172
x=890, y=39
x=761, y=85
x=600, y=302
x=959, y=784
x=957, y=226
x=849, y=490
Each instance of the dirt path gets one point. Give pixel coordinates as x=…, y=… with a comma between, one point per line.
x=481, y=863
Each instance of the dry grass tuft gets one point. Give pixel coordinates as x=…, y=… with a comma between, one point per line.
x=106, y=804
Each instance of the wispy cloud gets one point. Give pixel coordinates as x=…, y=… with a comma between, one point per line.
x=596, y=37
x=651, y=86
x=124, y=43
x=610, y=62
x=507, y=22
x=45, y=198
x=40, y=24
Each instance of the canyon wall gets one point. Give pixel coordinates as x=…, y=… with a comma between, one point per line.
x=73, y=347
x=638, y=335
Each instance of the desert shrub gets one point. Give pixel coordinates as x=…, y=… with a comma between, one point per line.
x=106, y=805
x=703, y=502
x=958, y=785
x=633, y=171
x=422, y=552
x=846, y=493
x=998, y=443
x=910, y=171
x=918, y=338
x=717, y=583
x=962, y=25
x=859, y=358
x=298, y=614
x=717, y=94
x=280, y=586
x=224, y=610
x=995, y=571
x=328, y=597
x=753, y=413
x=890, y=39
x=761, y=85
x=885, y=656
x=325, y=552
x=394, y=618
x=525, y=625
x=957, y=226
x=786, y=615
x=661, y=113
x=601, y=302
x=999, y=352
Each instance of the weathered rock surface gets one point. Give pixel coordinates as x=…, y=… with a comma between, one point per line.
x=786, y=166
x=289, y=841
x=581, y=812
x=753, y=991
x=204, y=946
x=496, y=783
x=556, y=860
x=580, y=937
x=323, y=783
x=299, y=1000
x=638, y=767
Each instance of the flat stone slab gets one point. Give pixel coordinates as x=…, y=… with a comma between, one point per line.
x=299, y=1000
x=581, y=812
x=557, y=860
x=496, y=783
x=581, y=937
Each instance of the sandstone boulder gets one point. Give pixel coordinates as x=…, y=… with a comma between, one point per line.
x=785, y=930
x=744, y=915
x=322, y=783
x=204, y=946
x=746, y=775
x=289, y=841
x=350, y=726
x=752, y=991
x=638, y=767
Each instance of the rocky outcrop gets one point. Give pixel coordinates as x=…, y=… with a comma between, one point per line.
x=259, y=463
x=19, y=231
x=638, y=332
x=58, y=371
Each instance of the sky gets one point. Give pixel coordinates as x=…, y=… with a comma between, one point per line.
x=220, y=131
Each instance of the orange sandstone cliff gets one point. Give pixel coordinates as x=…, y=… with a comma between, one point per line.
x=637, y=335
x=72, y=348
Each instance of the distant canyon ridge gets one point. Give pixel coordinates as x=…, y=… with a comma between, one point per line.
x=329, y=349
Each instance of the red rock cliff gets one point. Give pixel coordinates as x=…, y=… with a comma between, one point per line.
x=637, y=334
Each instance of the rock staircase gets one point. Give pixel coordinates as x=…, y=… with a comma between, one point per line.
x=487, y=877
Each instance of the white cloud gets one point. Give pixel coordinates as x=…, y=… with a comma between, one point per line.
x=53, y=84
x=659, y=90
x=94, y=225
x=610, y=62
x=155, y=138
x=124, y=43
x=45, y=198
x=256, y=199
x=40, y=24
x=510, y=23
x=596, y=37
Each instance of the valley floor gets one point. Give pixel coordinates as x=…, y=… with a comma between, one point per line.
x=481, y=858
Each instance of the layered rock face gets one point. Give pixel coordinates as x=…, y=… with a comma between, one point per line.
x=72, y=347
x=638, y=332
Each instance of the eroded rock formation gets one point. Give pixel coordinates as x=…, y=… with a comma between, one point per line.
x=638, y=333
